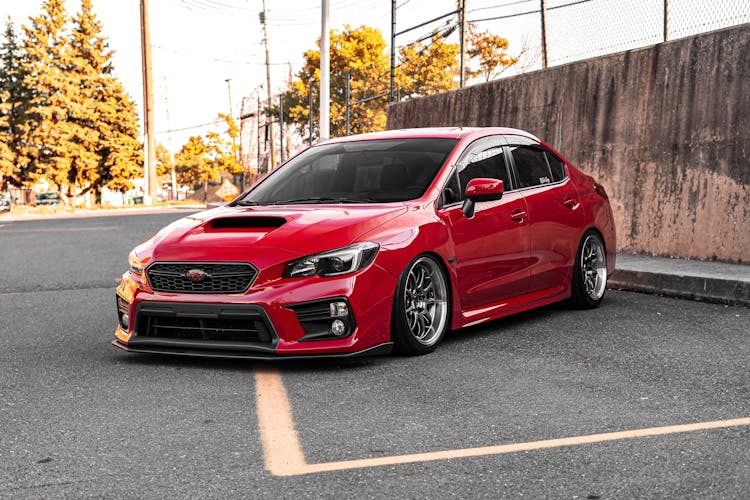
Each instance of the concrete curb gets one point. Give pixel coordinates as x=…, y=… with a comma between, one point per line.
x=703, y=281
x=103, y=212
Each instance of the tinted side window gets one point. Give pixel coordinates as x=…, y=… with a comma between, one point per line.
x=489, y=163
x=556, y=166
x=531, y=166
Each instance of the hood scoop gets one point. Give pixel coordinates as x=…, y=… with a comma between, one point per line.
x=251, y=224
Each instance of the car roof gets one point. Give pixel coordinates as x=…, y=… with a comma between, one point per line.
x=432, y=132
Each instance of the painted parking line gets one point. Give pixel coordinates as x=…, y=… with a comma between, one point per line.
x=281, y=446
x=284, y=456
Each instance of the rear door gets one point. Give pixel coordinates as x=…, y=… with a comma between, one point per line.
x=492, y=247
x=555, y=215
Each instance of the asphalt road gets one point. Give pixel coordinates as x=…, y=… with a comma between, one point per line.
x=82, y=419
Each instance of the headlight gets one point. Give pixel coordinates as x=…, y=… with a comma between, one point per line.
x=135, y=263
x=334, y=263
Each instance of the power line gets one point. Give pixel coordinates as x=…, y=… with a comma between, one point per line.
x=537, y=11
x=491, y=7
x=214, y=122
x=206, y=56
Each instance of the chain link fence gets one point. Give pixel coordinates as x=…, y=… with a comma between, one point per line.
x=580, y=29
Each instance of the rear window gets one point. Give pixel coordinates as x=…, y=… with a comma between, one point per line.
x=531, y=166
x=556, y=166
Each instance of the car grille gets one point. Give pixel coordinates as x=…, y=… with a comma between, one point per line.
x=203, y=322
x=204, y=329
x=219, y=277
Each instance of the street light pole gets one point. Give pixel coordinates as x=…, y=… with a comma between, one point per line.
x=268, y=81
x=325, y=72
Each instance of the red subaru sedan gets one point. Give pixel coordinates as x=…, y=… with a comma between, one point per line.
x=372, y=243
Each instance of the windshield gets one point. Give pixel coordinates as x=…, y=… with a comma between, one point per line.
x=373, y=171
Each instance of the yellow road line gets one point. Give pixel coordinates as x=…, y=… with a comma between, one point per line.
x=514, y=448
x=284, y=457
x=281, y=446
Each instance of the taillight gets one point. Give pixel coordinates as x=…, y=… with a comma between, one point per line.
x=600, y=191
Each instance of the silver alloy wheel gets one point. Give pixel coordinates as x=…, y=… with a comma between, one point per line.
x=593, y=267
x=426, y=301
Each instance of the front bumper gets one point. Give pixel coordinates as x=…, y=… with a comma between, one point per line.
x=221, y=352
x=274, y=308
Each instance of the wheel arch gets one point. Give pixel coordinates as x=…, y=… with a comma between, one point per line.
x=448, y=278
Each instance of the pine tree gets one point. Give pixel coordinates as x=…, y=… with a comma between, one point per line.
x=14, y=103
x=53, y=97
x=83, y=127
x=106, y=114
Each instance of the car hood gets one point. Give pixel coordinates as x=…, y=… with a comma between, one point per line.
x=266, y=235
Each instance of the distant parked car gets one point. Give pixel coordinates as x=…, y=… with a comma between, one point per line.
x=50, y=198
x=4, y=203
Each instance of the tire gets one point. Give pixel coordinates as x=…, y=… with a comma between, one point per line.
x=420, y=307
x=589, y=280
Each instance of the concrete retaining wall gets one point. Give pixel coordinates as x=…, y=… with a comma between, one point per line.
x=665, y=128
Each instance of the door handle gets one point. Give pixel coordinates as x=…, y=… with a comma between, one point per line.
x=570, y=202
x=518, y=215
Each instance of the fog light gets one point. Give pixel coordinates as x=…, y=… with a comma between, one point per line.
x=339, y=310
x=338, y=328
x=124, y=321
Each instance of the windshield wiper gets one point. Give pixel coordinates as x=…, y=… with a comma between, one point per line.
x=322, y=199
x=245, y=203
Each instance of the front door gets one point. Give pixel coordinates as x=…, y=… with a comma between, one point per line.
x=492, y=247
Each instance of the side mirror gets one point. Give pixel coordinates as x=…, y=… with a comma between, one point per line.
x=481, y=189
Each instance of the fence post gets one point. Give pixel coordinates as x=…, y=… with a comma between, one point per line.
x=393, y=49
x=543, y=10
x=666, y=20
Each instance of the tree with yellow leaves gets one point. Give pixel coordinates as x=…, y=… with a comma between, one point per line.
x=427, y=68
x=491, y=51
x=362, y=53
x=202, y=160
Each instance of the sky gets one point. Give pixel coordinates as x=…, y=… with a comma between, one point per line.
x=198, y=44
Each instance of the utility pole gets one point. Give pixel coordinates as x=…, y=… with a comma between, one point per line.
x=461, y=42
x=281, y=127
x=264, y=19
x=149, y=174
x=393, y=50
x=325, y=72
x=543, y=10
